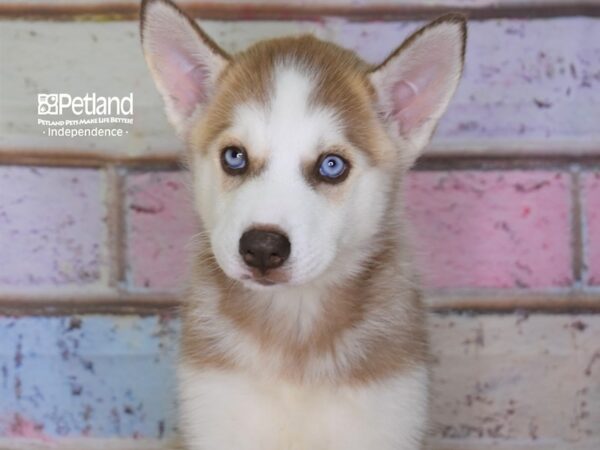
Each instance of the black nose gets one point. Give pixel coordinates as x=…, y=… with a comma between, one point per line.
x=264, y=249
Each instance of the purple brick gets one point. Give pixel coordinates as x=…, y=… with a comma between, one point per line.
x=528, y=83
x=160, y=224
x=529, y=80
x=591, y=217
x=92, y=376
x=52, y=226
x=506, y=229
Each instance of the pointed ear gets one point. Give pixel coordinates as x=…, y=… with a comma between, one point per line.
x=183, y=60
x=416, y=82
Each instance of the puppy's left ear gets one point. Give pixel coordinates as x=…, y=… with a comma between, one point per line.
x=183, y=59
x=416, y=82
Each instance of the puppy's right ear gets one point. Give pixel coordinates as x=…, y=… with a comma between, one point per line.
x=183, y=60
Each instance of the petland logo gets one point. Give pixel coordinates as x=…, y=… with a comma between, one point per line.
x=90, y=105
x=96, y=110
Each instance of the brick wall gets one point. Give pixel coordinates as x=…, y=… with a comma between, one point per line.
x=505, y=205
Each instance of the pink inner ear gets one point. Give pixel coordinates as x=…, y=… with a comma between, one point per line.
x=185, y=82
x=403, y=93
x=416, y=95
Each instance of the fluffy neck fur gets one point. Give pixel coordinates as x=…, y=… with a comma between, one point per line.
x=363, y=327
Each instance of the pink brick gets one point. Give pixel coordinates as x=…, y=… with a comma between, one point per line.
x=492, y=229
x=591, y=217
x=160, y=225
x=474, y=229
x=52, y=226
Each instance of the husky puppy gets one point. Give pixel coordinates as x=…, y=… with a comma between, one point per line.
x=303, y=327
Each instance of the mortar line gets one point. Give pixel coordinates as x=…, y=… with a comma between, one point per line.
x=433, y=162
x=493, y=301
x=116, y=227
x=126, y=11
x=576, y=226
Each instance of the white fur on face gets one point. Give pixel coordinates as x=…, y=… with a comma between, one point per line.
x=323, y=229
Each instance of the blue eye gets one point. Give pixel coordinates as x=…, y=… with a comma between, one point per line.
x=333, y=168
x=234, y=160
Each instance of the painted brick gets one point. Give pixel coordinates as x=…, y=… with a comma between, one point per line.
x=160, y=224
x=517, y=379
x=94, y=376
x=52, y=226
x=99, y=444
x=591, y=218
x=492, y=229
x=249, y=7
x=513, y=381
x=529, y=85
x=474, y=228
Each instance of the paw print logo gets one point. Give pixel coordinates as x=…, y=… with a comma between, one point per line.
x=47, y=104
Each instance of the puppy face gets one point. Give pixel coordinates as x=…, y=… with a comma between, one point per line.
x=296, y=146
x=302, y=179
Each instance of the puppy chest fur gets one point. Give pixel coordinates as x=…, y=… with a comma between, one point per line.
x=229, y=410
x=303, y=326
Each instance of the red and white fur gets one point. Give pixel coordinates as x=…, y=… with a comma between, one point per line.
x=327, y=349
